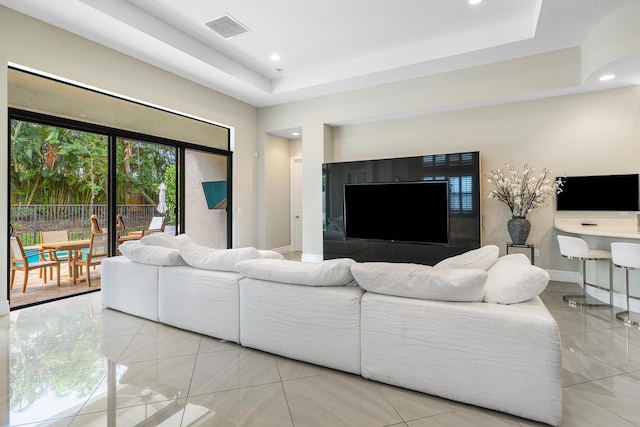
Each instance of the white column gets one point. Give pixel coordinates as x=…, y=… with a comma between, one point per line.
x=314, y=137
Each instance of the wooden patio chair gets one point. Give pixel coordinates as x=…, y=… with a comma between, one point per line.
x=120, y=225
x=50, y=237
x=98, y=250
x=95, y=226
x=156, y=225
x=20, y=261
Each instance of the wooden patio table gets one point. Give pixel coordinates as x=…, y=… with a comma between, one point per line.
x=74, y=247
x=130, y=237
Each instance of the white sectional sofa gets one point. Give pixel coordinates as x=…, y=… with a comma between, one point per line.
x=424, y=328
x=131, y=287
x=503, y=357
x=201, y=301
x=311, y=324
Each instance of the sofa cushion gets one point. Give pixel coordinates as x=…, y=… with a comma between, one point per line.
x=421, y=281
x=154, y=255
x=521, y=259
x=482, y=258
x=214, y=259
x=334, y=272
x=160, y=239
x=512, y=279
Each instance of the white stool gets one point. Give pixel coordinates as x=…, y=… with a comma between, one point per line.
x=626, y=256
x=576, y=248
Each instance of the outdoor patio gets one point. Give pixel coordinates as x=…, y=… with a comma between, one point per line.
x=38, y=291
x=29, y=223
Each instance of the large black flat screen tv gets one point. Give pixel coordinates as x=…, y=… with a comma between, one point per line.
x=599, y=193
x=415, y=212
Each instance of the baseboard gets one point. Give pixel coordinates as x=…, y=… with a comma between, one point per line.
x=311, y=257
x=565, y=276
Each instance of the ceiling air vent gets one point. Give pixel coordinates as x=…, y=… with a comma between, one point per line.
x=227, y=26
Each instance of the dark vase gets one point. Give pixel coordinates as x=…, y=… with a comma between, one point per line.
x=519, y=228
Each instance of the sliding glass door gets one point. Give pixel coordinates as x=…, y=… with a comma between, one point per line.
x=59, y=178
x=59, y=182
x=64, y=172
x=146, y=186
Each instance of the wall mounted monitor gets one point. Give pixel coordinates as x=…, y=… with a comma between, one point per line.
x=215, y=192
x=416, y=212
x=599, y=193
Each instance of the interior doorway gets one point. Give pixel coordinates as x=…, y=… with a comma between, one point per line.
x=296, y=205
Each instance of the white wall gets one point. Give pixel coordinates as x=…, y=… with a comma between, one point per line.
x=585, y=134
x=582, y=134
x=421, y=97
x=42, y=95
x=34, y=44
x=296, y=148
x=588, y=133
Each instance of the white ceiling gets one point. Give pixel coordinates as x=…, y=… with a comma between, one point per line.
x=325, y=46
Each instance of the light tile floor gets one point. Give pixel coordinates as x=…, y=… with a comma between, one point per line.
x=73, y=363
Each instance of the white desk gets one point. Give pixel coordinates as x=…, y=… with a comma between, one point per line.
x=608, y=227
x=604, y=227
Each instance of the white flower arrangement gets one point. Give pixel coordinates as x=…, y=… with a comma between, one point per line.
x=523, y=191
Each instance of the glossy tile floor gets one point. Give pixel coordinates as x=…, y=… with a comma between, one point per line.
x=73, y=363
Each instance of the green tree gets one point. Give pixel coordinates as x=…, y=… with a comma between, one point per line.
x=141, y=168
x=54, y=165
x=171, y=194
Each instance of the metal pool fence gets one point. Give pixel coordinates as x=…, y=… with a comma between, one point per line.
x=29, y=221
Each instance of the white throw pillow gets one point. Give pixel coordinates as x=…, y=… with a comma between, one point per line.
x=267, y=254
x=421, y=281
x=184, y=237
x=512, y=279
x=514, y=259
x=214, y=259
x=334, y=272
x=154, y=255
x=482, y=258
x=160, y=239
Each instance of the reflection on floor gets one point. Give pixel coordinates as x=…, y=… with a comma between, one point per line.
x=73, y=363
x=38, y=291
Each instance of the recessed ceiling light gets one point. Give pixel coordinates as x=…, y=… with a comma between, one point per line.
x=607, y=77
x=295, y=133
x=275, y=57
x=473, y=2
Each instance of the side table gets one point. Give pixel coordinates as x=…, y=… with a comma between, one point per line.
x=525, y=246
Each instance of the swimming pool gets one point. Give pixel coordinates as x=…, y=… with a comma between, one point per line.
x=33, y=255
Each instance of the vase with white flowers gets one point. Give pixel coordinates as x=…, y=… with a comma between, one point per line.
x=522, y=191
